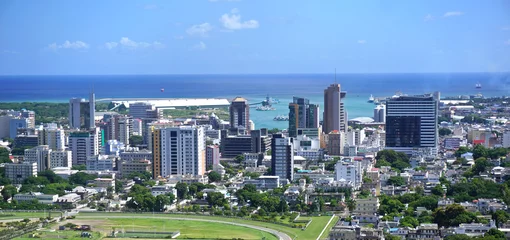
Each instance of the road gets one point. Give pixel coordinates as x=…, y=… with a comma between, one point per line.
x=280, y=235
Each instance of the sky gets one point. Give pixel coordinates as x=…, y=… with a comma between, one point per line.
x=42, y=37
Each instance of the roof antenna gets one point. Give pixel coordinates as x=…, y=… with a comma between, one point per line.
x=335, y=76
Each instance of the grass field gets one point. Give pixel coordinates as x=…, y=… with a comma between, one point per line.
x=188, y=229
x=312, y=232
x=22, y=215
x=45, y=234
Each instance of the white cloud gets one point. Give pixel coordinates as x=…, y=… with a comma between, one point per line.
x=111, y=45
x=234, y=10
x=362, y=41
x=69, y=45
x=200, y=29
x=507, y=42
x=429, y=17
x=453, y=14
x=200, y=46
x=233, y=21
x=127, y=43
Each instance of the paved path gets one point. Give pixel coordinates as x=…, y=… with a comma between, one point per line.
x=280, y=235
x=325, y=227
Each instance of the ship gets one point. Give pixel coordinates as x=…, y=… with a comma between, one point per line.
x=371, y=99
x=270, y=101
x=281, y=118
x=265, y=108
x=478, y=85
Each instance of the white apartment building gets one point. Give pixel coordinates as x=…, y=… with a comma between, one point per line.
x=55, y=139
x=349, y=171
x=179, y=151
x=368, y=206
x=100, y=163
x=355, y=137
x=60, y=159
x=128, y=167
x=134, y=154
x=39, y=155
x=83, y=145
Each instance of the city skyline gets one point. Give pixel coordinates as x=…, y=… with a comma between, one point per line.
x=246, y=37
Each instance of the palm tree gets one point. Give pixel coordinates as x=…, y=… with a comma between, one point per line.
x=351, y=204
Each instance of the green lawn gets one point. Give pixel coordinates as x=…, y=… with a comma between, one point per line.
x=22, y=215
x=45, y=234
x=312, y=232
x=188, y=229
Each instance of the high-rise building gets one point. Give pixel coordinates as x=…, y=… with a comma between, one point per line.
x=30, y=116
x=18, y=172
x=335, y=116
x=240, y=114
x=212, y=155
x=84, y=144
x=233, y=145
x=282, y=157
x=81, y=112
x=302, y=114
x=380, y=113
x=118, y=127
x=411, y=122
x=141, y=110
x=178, y=151
x=53, y=137
x=39, y=155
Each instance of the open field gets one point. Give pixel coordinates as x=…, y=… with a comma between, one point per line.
x=46, y=234
x=22, y=215
x=312, y=232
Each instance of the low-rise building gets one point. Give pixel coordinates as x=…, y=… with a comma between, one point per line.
x=41, y=198
x=163, y=190
x=101, y=163
x=18, y=172
x=264, y=182
x=368, y=206
x=70, y=199
x=128, y=167
x=105, y=183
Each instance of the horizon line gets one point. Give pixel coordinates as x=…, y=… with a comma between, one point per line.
x=332, y=73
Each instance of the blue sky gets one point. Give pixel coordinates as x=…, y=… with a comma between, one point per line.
x=253, y=36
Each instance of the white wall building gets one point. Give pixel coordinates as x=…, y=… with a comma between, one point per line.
x=18, y=172
x=83, y=145
x=282, y=157
x=41, y=198
x=39, y=155
x=100, y=163
x=61, y=159
x=181, y=150
x=349, y=171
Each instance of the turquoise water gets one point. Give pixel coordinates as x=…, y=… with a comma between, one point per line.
x=253, y=87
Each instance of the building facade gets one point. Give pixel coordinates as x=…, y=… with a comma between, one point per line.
x=61, y=158
x=411, y=122
x=302, y=114
x=282, y=157
x=18, y=172
x=81, y=112
x=212, y=155
x=84, y=144
x=178, y=151
x=239, y=114
x=39, y=155
x=335, y=116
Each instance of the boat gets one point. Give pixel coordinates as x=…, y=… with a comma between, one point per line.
x=162, y=90
x=371, y=99
x=265, y=108
x=478, y=85
x=281, y=118
x=376, y=101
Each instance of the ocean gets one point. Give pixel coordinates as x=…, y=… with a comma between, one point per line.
x=254, y=87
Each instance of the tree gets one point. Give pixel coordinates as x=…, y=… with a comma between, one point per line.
x=214, y=177
x=398, y=160
x=494, y=232
x=480, y=151
x=500, y=217
x=307, y=179
x=81, y=178
x=452, y=215
x=239, y=158
x=351, y=204
x=444, y=132
x=216, y=199
x=438, y=190
x=8, y=192
x=161, y=202
x=481, y=165
x=409, y=221
x=273, y=131
x=396, y=181
x=461, y=151
x=142, y=175
x=4, y=155
x=182, y=190
x=136, y=140
x=81, y=167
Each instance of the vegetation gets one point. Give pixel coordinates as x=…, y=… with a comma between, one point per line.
x=397, y=160
x=396, y=181
x=143, y=200
x=214, y=177
x=444, y=132
x=136, y=140
x=4, y=155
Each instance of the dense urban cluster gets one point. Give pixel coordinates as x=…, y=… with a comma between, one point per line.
x=422, y=168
